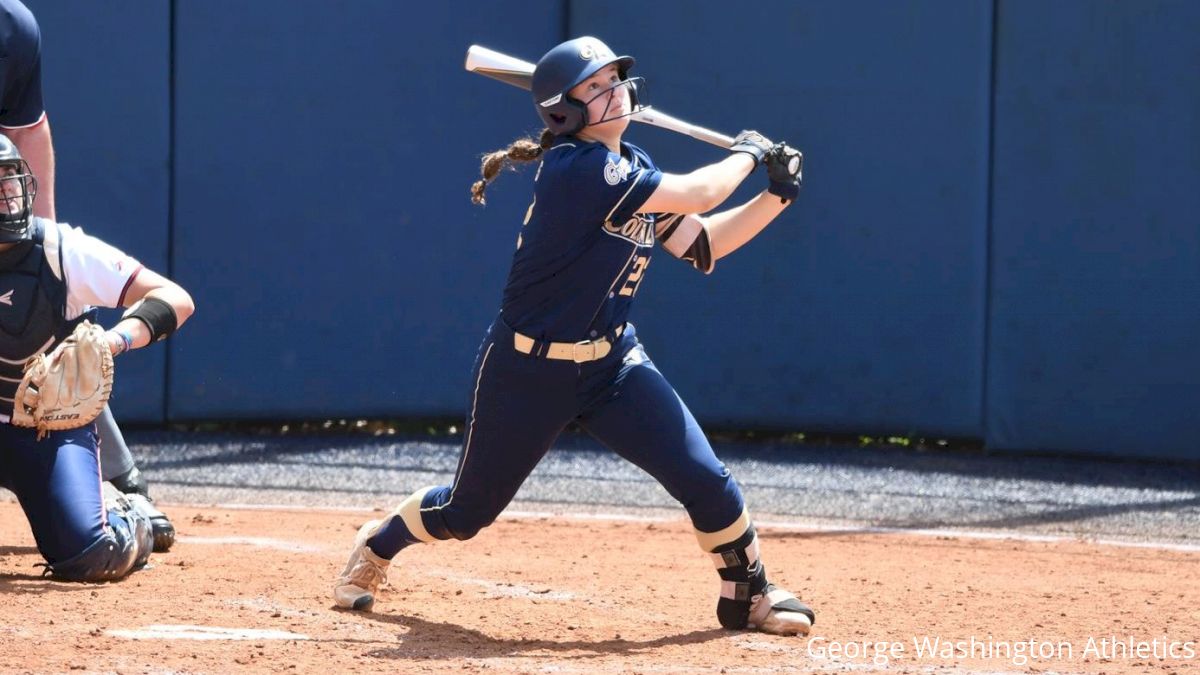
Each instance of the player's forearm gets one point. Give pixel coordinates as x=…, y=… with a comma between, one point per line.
x=37, y=148
x=730, y=230
x=133, y=333
x=716, y=182
x=701, y=190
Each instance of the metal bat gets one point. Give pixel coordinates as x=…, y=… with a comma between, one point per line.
x=518, y=73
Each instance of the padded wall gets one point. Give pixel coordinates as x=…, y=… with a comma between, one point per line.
x=324, y=155
x=862, y=308
x=319, y=213
x=1095, y=311
x=106, y=76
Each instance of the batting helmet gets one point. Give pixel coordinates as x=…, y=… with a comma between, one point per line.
x=17, y=193
x=565, y=66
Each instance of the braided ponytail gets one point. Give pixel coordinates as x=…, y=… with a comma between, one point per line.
x=521, y=150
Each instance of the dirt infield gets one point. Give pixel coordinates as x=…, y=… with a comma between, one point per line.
x=248, y=590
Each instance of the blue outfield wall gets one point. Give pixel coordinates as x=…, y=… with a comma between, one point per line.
x=323, y=166
x=106, y=82
x=862, y=307
x=1094, y=340
x=998, y=236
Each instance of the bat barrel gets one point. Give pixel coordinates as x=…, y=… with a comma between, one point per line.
x=498, y=66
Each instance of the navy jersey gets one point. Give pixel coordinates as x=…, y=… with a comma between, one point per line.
x=20, y=66
x=584, y=248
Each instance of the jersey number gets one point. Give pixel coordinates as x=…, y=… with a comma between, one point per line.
x=640, y=264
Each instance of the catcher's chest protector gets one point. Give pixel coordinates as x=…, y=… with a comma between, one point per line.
x=33, y=305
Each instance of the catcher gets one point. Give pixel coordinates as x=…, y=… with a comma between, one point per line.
x=56, y=369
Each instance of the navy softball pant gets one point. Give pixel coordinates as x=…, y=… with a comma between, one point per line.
x=57, y=482
x=519, y=404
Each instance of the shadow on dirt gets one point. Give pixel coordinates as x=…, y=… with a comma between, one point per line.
x=433, y=640
x=17, y=550
x=11, y=584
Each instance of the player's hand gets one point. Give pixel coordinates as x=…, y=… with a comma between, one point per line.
x=785, y=169
x=752, y=143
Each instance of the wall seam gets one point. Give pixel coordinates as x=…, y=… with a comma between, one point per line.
x=172, y=8
x=988, y=223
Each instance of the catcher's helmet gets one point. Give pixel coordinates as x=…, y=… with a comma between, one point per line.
x=17, y=193
x=567, y=65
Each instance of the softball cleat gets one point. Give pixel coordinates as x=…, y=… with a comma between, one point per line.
x=778, y=612
x=365, y=572
x=160, y=525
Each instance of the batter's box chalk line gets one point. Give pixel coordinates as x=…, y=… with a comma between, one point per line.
x=161, y=631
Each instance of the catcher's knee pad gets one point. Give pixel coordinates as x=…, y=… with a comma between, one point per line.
x=124, y=546
x=133, y=514
x=137, y=519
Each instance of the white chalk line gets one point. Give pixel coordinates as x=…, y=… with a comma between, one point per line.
x=498, y=589
x=263, y=604
x=260, y=542
x=776, y=525
x=160, y=631
x=991, y=536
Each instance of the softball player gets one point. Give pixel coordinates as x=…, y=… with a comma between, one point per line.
x=23, y=119
x=52, y=277
x=561, y=350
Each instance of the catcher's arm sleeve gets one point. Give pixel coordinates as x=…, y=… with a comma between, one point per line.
x=149, y=285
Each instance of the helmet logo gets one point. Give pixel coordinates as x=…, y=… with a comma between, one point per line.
x=595, y=50
x=553, y=100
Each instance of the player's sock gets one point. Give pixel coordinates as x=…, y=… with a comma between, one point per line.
x=392, y=538
x=402, y=528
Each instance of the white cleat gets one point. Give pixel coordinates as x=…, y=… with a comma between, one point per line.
x=785, y=623
x=779, y=613
x=365, y=572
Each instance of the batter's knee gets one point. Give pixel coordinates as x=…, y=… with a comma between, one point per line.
x=712, y=500
x=461, y=524
x=443, y=519
x=467, y=529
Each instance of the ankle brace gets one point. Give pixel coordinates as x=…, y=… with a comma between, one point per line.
x=742, y=578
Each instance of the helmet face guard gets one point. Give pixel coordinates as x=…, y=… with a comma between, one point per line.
x=18, y=189
x=565, y=66
x=634, y=86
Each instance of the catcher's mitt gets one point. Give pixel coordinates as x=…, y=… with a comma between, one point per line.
x=69, y=387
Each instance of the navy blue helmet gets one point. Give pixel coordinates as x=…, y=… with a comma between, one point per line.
x=567, y=65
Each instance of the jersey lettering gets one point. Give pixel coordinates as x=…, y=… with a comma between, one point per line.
x=583, y=247
x=636, y=274
x=637, y=230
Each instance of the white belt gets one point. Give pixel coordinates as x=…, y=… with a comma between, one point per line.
x=579, y=352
